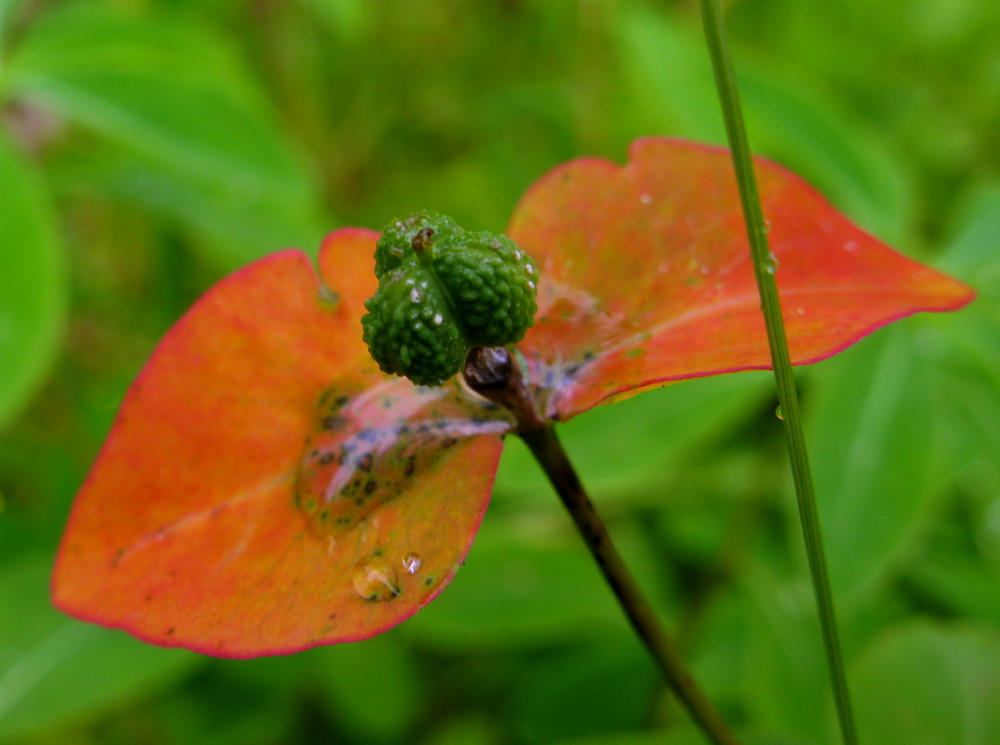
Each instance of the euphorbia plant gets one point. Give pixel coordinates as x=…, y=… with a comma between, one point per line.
x=266, y=488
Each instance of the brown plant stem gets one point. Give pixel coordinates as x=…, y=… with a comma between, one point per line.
x=494, y=374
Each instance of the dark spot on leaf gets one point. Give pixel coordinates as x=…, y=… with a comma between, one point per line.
x=171, y=630
x=449, y=442
x=369, y=487
x=334, y=422
x=366, y=462
x=326, y=459
x=429, y=581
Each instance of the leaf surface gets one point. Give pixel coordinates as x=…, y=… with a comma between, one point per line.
x=33, y=287
x=925, y=684
x=197, y=139
x=55, y=670
x=264, y=488
x=647, y=278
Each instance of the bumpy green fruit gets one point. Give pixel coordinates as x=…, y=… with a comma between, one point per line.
x=442, y=291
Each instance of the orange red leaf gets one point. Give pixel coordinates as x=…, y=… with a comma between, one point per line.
x=647, y=278
x=199, y=525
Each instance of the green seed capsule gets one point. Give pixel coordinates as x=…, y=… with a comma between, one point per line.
x=443, y=290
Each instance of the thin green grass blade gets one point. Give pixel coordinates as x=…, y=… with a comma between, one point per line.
x=764, y=268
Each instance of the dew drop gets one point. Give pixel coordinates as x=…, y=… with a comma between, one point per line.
x=766, y=225
x=326, y=295
x=412, y=562
x=772, y=263
x=778, y=413
x=374, y=579
x=646, y=198
x=851, y=246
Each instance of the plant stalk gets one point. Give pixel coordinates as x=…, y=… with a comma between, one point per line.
x=764, y=268
x=493, y=373
x=549, y=453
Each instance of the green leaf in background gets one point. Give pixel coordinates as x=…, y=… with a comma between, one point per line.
x=178, y=97
x=604, y=687
x=624, y=451
x=879, y=462
x=347, y=19
x=784, y=674
x=54, y=670
x=528, y=582
x=6, y=11
x=33, y=283
x=352, y=677
x=677, y=736
x=927, y=684
x=966, y=352
x=669, y=77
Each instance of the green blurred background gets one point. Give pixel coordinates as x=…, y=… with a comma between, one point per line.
x=147, y=147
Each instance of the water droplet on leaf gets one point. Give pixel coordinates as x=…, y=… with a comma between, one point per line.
x=772, y=263
x=412, y=562
x=374, y=578
x=766, y=225
x=778, y=413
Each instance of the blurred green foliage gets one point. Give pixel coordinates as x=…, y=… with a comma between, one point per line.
x=149, y=146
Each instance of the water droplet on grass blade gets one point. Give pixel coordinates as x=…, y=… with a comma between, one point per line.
x=778, y=413
x=374, y=578
x=772, y=263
